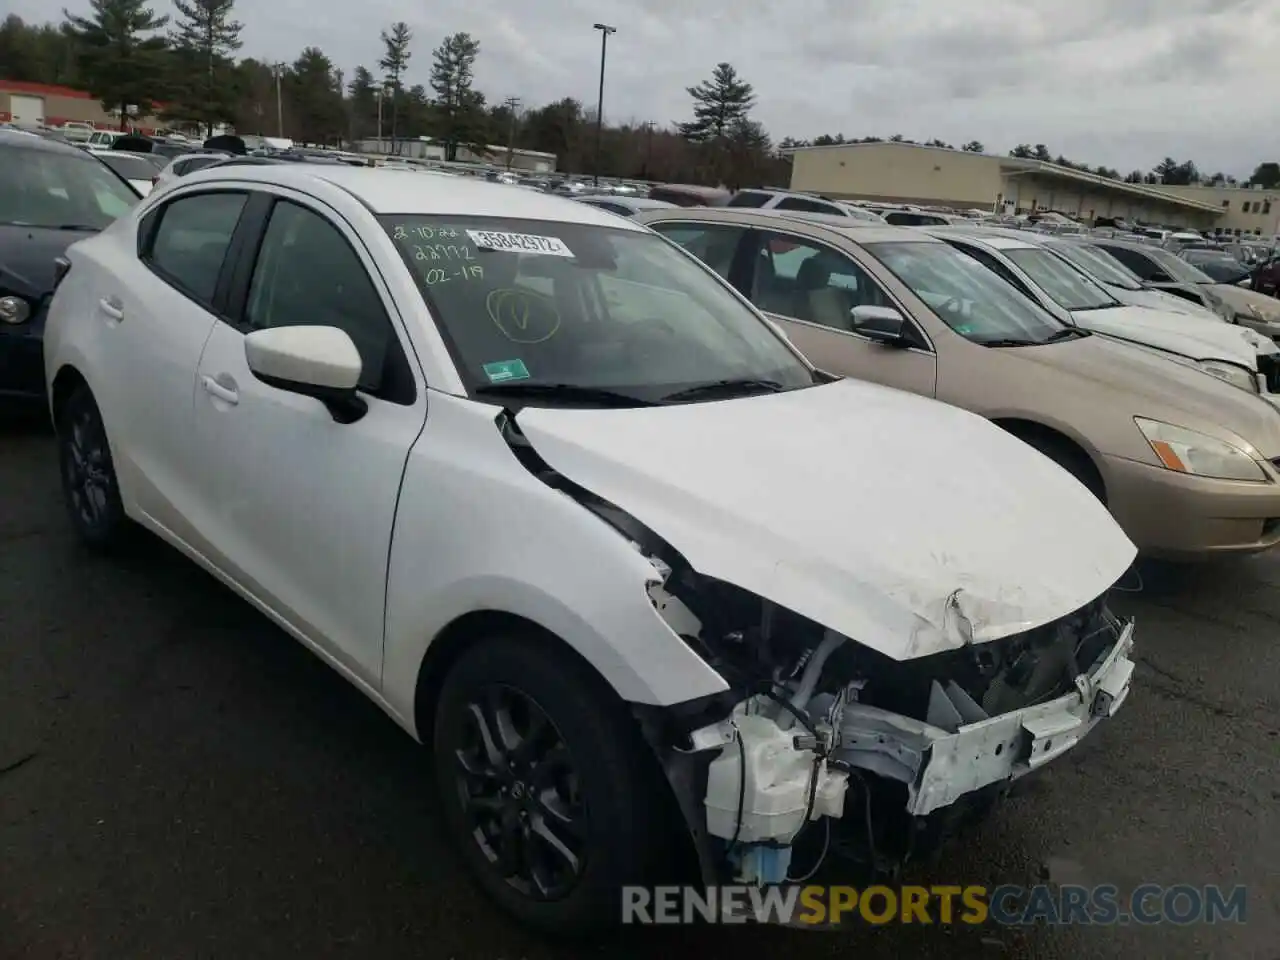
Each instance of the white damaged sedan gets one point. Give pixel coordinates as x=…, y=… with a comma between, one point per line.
x=657, y=594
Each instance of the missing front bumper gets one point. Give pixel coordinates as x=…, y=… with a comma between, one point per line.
x=939, y=767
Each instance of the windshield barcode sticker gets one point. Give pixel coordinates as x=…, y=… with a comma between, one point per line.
x=519, y=243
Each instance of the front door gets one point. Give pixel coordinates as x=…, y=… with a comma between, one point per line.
x=812, y=289
x=302, y=507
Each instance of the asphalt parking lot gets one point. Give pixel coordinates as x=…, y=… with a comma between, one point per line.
x=180, y=780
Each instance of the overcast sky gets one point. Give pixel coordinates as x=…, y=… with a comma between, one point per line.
x=1122, y=83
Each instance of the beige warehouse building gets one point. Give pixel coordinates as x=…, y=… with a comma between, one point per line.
x=890, y=172
x=1244, y=210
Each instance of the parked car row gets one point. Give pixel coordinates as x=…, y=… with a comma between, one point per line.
x=580, y=513
x=1163, y=415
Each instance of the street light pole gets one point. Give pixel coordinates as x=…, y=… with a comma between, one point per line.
x=605, y=30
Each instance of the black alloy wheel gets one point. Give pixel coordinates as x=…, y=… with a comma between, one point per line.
x=547, y=789
x=89, y=485
x=517, y=783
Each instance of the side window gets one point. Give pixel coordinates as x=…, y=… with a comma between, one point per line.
x=191, y=241
x=1144, y=268
x=996, y=267
x=308, y=275
x=748, y=198
x=713, y=245
x=804, y=203
x=799, y=278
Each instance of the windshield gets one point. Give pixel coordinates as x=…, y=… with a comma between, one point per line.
x=969, y=298
x=1176, y=267
x=1098, y=265
x=131, y=168
x=41, y=188
x=1064, y=284
x=589, y=306
x=1220, y=266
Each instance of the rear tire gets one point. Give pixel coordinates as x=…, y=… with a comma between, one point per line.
x=89, y=485
x=567, y=770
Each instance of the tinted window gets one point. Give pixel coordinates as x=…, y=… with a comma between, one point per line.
x=611, y=207
x=43, y=188
x=903, y=218
x=582, y=304
x=748, y=198
x=308, y=275
x=799, y=278
x=965, y=295
x=804, y=203
x=713, y=245
x=1135, y=261
x=192, y=240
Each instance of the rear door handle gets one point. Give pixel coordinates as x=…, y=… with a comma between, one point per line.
x=215, y=389
x=112, y=308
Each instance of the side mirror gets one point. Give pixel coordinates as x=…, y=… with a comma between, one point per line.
x=319, y=362
x=881, y=324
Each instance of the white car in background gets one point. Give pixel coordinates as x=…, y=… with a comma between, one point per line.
x=525, y=473
x=1236, y=354
x=800, y=203
x=187, y=163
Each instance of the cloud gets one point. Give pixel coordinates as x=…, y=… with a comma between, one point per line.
x=1120, y=84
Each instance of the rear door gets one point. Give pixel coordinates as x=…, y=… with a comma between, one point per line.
x=155, y=307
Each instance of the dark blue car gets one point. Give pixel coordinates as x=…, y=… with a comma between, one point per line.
x=51, y=195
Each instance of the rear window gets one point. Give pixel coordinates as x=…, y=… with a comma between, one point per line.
x=131, y=168
x=748, y=198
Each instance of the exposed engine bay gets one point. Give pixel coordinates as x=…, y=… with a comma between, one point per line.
x=823, y=747
x=827, y=736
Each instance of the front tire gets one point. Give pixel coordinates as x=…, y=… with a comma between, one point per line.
x=89, y=485
x=545, y=785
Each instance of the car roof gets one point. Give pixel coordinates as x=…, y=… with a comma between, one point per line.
x=860, y=231
x=27, y=141
x=995, y=241
x=409, y=192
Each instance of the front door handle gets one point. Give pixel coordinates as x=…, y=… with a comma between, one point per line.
x=111, y=307
x=224, y=393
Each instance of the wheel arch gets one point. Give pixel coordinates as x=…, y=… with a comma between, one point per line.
x=454, y=638
x=1051, y=441
x=65, y=383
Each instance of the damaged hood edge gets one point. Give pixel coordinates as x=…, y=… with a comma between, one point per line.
x=1000, y=542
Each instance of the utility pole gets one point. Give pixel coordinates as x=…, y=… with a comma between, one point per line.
x=605, y=30
x=513, y=107
x=278, y=70
x=648, y=148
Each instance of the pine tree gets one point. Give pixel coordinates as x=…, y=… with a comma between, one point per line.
x=459, y=110
x=718, y=105
x=395, y=61
x=204, y=38
x=121, y=59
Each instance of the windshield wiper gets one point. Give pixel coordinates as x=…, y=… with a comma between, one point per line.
x=1009, y=342
x=1066, y=333
x=572, y=392
x=738, y=387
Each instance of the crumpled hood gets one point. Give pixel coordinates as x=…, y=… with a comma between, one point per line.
x=1178, y=333
x=1159, y=300
x=1241, y=299
x=874, y=512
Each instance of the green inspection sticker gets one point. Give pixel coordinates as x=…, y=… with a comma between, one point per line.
x=503, y=370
